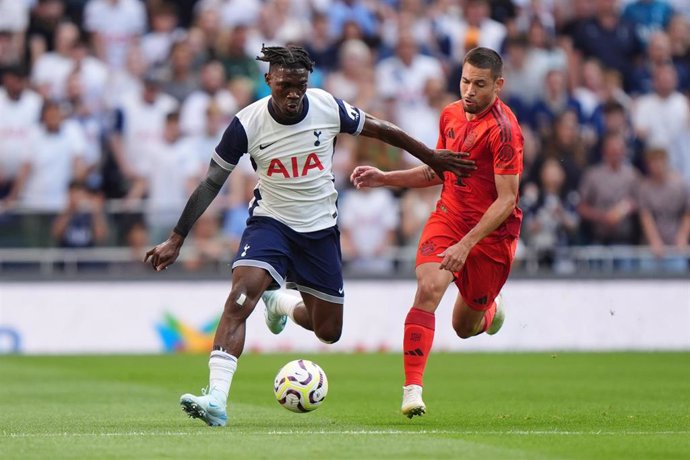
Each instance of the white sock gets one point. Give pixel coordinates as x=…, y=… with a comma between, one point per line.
x=287, y=303
x=222, y=367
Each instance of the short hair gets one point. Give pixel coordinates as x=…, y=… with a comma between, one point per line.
x=291, y=57
x=485, y=58
x=612, y=106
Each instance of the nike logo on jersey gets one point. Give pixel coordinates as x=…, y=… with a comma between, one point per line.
x=341, y=290
x=265, y=146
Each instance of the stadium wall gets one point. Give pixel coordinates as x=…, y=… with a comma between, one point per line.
x=155, y=317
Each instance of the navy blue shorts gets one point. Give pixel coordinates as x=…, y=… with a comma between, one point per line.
x=309, y=262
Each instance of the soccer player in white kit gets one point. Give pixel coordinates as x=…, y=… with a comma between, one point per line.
x=291, y=236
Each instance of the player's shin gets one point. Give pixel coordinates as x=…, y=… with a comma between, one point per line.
x=417, y=341
x=222, y=367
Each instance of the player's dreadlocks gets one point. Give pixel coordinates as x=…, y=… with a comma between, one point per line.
x=290, y=57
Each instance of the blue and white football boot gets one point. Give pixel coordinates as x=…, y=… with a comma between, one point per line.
x=205, y=407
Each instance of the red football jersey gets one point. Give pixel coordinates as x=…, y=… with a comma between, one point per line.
x=494, y=141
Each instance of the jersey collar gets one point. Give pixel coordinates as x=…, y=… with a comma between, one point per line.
x=305, y=110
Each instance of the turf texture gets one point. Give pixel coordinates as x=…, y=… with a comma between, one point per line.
x=480, y=406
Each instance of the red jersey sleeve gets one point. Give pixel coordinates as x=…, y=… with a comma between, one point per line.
x=506, y=144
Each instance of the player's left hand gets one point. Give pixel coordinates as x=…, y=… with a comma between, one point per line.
x=165, y=253
x=454, y=162
x=454, y=257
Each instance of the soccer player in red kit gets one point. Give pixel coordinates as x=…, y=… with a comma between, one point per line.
x=470, y=238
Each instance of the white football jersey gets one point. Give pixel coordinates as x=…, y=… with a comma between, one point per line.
x=293, y=162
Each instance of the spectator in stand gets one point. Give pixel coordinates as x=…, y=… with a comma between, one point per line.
x=93, y=74
x=659, y=53
x=43, y=22
x=476, y=29
x=212, y=90
x=115, y=25
x=615, y=119
x=661, y=116
x=623, y=46
x=156, y=44
x=51, y=69
x=664, y=200
x=608, y=196
x=521, y=88
x=321, y=45
x=648, y=17
x=354, y=80
x=591, y=93
x=20, y=112
x=172, y=175
x=82, y=223
x=53, y=159
x=555, y=99
x=551, y=219
x=136, y=135
x=566, y=145
x=368, y=223
x=77, y=111
x=357, y=11
x=401, y=81
x=178, y=75
x=14, y=19
x=679, y=34
x=127, y=81
x=235, y=60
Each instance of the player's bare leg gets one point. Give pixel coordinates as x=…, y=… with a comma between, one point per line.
x=469, y=322
x=323, y=317
x=419, y=333
x=248, y=283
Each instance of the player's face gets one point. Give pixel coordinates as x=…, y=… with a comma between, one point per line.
x=479, y=89
x=288, y=87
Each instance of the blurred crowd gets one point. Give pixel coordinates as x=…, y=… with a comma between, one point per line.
x=110, y=109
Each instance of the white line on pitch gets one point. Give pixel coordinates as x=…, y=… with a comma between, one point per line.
x=347, y=432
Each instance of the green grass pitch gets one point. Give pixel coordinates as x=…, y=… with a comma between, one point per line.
x=480, y=406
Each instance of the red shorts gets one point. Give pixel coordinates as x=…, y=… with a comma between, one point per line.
x=487, y=266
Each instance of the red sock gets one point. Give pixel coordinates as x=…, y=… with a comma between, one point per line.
x=489, y=316
x=419, y=335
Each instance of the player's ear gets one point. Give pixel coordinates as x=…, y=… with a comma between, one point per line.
x=500, y=81
x=267, y=78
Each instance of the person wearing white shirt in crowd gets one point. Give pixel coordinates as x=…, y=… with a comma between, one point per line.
x=20, y=110
x=51, y=69
x=93, y=74
x=156, y=44
x=172, y=175
x=475, y=29
x=138, y=130
x=401, y=82
x=115, y=24
x=193, y=112
x=54, y=157
x=368, y=220
x=661, y=116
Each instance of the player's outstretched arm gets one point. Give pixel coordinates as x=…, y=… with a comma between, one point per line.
x=439, y=160
x=167, y=252
x=420, y=176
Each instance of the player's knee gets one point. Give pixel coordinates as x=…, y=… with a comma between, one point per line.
x=328, y=334
x=429, y=288
x=465, y=330
x=240, y=301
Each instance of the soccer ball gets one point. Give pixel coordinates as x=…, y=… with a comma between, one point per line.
x=300, y=386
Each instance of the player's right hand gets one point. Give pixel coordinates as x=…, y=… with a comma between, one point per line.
x=367, y=176
x=453, y=162
x=166, y=253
